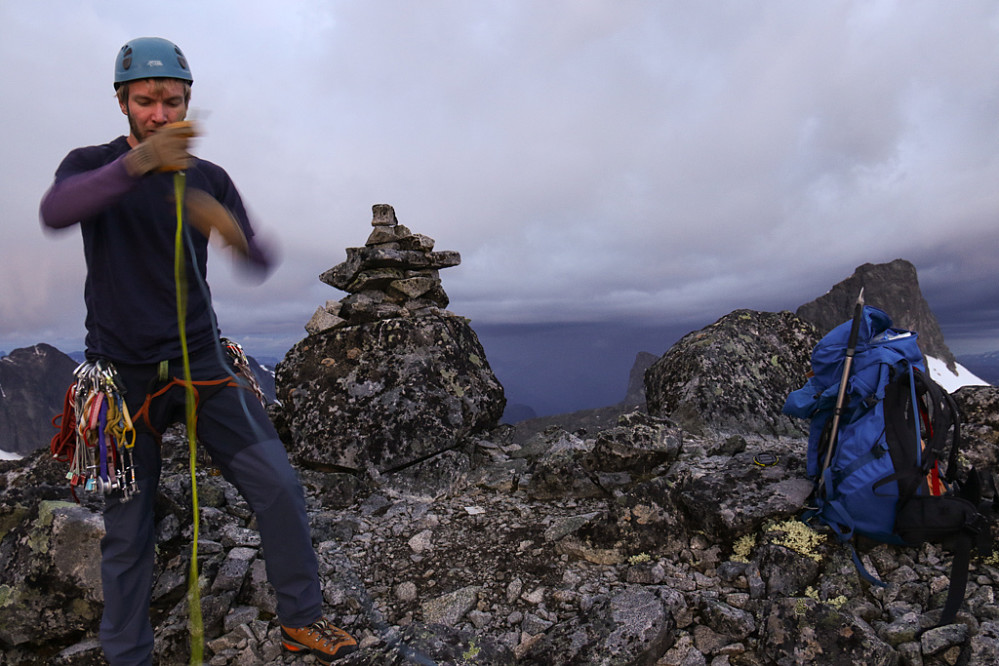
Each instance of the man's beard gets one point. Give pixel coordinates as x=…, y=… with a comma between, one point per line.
x=139, y=135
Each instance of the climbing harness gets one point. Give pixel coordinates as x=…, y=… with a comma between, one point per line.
x=203, y=390
x=96, y=436
x=97, y=389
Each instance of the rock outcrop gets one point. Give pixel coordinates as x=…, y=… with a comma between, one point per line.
x=640, y=543
x=33, y=383
x=892, y=287
x=386, y=394
x=735, y=374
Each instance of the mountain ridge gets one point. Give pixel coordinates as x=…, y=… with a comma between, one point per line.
x=893, y=287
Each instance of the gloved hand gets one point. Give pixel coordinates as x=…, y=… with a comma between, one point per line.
x=206, y=214
x=260, y=258
x=163, y=150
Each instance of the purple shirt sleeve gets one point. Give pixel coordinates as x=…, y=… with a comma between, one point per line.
x=80, y=196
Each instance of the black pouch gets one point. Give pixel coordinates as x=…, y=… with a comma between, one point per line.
x=937, y=519
x=956, y=524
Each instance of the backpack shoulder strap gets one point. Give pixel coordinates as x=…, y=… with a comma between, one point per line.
x=943, y=418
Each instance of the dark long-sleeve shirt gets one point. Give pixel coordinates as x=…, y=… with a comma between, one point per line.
x=129, y=228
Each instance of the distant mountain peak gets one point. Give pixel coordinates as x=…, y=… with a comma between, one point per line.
x=34, y=382
x=892, y=287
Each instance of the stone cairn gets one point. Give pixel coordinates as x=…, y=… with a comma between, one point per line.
x=395, y=274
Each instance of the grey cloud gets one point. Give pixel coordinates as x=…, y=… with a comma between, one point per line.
x=591, y=161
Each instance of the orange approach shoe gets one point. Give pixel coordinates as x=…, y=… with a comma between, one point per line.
x=320, y=638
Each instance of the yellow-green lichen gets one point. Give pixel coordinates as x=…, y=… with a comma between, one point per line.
x=12, y=519
x=743, y=548
x=47, y=507
x=797, y=536
x=451, y=377
x=6, y=593
x=639, y=559
x=472, y=652
x=800, y=607
x=835, y=602
x=84, y=609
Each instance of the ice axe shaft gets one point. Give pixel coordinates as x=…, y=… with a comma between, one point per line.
x=851, y=349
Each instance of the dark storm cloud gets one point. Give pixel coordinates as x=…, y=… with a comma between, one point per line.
x=593, y=161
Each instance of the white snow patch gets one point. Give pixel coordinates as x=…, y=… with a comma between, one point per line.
x=941, y=374
x=7, y=455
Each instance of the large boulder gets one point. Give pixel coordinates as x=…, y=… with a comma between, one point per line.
x=386, y=394
x=979, y=407
x=734, y=374
x=51, y=590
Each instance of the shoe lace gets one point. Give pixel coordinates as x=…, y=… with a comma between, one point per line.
x=327, y=633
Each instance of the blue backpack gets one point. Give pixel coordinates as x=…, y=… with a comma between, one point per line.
x=892, y=474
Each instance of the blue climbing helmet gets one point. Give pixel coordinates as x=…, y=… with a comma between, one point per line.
x=149, y=58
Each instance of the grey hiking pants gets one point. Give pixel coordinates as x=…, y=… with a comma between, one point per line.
x=243, y=444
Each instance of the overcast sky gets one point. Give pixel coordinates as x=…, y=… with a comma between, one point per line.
x=592, y=160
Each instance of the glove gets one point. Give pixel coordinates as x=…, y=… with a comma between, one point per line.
x=163, y=150
x=207, y=215
x=260, y=257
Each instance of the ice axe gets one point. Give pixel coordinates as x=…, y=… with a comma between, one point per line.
x=851, y=349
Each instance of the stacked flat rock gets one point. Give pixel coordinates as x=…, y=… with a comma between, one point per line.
x=395, y=274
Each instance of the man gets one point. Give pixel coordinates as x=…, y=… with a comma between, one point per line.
x=122, y=196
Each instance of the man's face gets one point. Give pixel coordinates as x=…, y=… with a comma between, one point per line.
x=153, y=103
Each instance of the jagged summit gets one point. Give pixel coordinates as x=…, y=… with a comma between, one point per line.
x=33, y=382
x=892, y=287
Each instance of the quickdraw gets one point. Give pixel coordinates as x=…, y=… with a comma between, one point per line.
x=99, y=446
x=243, y=370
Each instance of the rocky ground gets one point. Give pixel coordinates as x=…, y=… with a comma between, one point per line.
x=558, y=551
x=664, y=536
